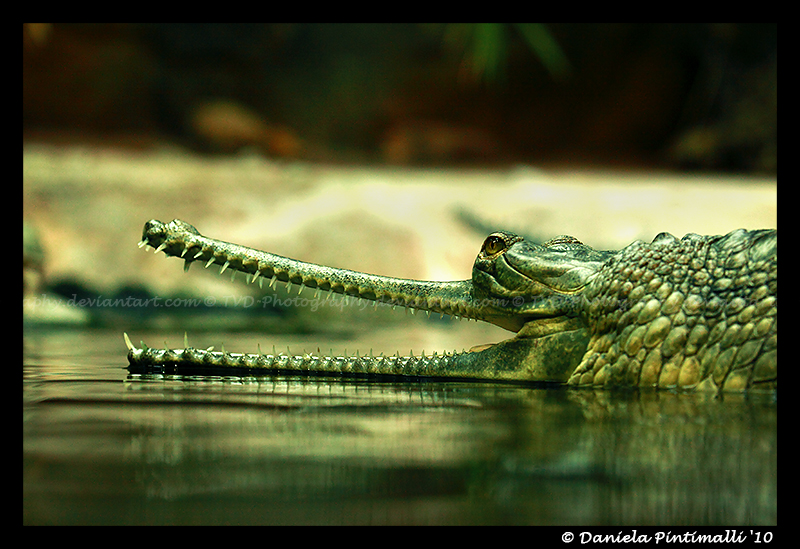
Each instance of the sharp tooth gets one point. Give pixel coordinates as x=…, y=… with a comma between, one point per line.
x=255, y=277
x=186, y=265
x=210, y=261
x=128, y=340
x=161, y=247
x=300, y=291
x=142, y=243
x=272, y=281
x=224, y=266
x=183, y=253
x=198, y=254
x=233, y=275
x=185, y=340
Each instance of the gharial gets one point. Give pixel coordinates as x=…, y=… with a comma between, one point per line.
x=698, y=312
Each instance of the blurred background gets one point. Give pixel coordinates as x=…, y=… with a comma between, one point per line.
x=684, y=96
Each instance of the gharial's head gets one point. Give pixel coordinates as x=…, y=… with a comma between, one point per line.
x=517, y=282
x=514, y=285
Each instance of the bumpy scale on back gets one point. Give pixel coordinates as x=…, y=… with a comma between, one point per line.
x=699, y=312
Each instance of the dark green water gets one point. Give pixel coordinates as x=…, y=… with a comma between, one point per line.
x=102, y=446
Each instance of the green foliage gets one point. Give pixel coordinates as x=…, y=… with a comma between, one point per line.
x=484, y=48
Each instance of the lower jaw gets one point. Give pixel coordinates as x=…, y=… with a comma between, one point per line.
x=547, y=358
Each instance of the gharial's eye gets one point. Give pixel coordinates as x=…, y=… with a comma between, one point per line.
x=493, y=245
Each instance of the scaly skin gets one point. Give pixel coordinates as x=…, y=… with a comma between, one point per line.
x=700, y=312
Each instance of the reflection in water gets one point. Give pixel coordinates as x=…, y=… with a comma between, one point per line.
x=104, y=446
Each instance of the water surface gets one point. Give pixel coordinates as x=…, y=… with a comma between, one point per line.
x=104, y=446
